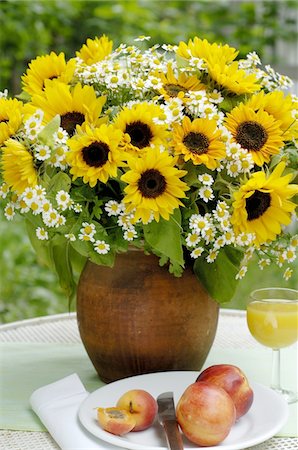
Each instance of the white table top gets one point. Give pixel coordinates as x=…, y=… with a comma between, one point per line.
x=232, y=332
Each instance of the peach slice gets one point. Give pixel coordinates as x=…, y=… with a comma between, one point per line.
x=115, y=420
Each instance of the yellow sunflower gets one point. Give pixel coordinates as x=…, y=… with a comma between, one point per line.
x=199, y=141
x=154, y=185
x=95, y=50
x=258, y=132
x=262, y=204
x=74, y=105
x=233, y=79
x=11, y=112
x=47, y=67
x=138, y=123
x=18, y=166
x=94, y=154
x=173, y=86
x=279, y=106
x=210, y=53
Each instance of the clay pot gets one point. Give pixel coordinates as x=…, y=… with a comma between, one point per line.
x=137, y=318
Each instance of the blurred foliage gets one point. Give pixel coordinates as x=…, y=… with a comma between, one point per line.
x=31, y=28
x=26, y=289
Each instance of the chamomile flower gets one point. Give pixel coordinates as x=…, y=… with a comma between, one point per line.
x=192, y=239
x=51, y=218
x=60, y=137
x=42, y=234
x=206, y=193
x=101, y=247
x=219, y=242
x=198, y=223
x=245, y=239
x=87, y=232
x=234, y=168
x=206, y=179
x=42, y=152
x=241, y=273
x=288, y=273
x=264, y=262
x=4, y=190
x=9, y=211
x=71, y=237
x=212, y=255
x=130, y=234
x=114, y=208
x=63, y=200
x=228, y=236
x=289, y=254
x=197, y=252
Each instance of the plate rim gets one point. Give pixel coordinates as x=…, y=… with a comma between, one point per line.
x=110, y=438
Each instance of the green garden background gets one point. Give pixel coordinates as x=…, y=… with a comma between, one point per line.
x=31, y=28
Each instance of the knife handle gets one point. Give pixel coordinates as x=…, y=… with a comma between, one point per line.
x=173, y=435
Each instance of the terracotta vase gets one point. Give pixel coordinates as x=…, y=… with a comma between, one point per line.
x=137, y=318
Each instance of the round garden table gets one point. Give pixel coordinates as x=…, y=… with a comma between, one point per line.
x=232, y=335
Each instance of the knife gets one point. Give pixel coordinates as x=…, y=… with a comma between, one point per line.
x=167, y=418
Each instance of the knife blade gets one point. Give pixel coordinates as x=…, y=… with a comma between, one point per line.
x=167, y=418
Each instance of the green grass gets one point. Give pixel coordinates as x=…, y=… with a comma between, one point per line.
x=29, y=290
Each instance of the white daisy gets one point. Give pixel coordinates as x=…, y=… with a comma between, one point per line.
x=130, y=235
x=42, y=234
x=192, y=239
x=63, y=200
x=206, y=193
x=101, y=247
x=197, y=252
x=87, y=232
x=9, y=211
x=206, y=179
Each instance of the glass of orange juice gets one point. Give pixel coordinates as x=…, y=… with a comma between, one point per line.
x=272, y=319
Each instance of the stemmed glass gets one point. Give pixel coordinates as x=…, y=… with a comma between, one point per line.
x=272, y=318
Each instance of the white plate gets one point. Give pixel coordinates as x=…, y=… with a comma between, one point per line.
x=266, y=417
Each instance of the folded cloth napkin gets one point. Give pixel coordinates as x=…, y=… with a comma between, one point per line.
x=57, y=406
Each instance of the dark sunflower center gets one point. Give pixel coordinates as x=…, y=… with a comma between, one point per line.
x=140, y=134
x=70, y=120
x=257, y=204
x=96, y=154
x=251, y=135
x=196, y=142
x=152, y=183
x=173, y=89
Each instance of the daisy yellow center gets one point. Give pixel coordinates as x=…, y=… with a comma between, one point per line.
x=96, y=154
x=152, y=183
x=257, y=204
x=196, y=142
x=251, y=135
x=173, y=89
x=70, y=120
x=140, y=134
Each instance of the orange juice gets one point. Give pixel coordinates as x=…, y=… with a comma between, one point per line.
x=273, y=323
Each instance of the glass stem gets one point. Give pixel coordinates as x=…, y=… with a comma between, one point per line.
x=275, y=379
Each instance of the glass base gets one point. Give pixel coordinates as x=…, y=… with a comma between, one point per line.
x=289, y=396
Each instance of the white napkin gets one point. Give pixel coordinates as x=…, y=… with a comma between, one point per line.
x=57, y=405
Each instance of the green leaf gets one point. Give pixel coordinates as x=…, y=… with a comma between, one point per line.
x=164, y=237
x=219, y=277
x=60, y=181
x=46, y=135
x=62, y=264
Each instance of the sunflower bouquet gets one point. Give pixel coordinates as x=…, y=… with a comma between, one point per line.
x=185, y=151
